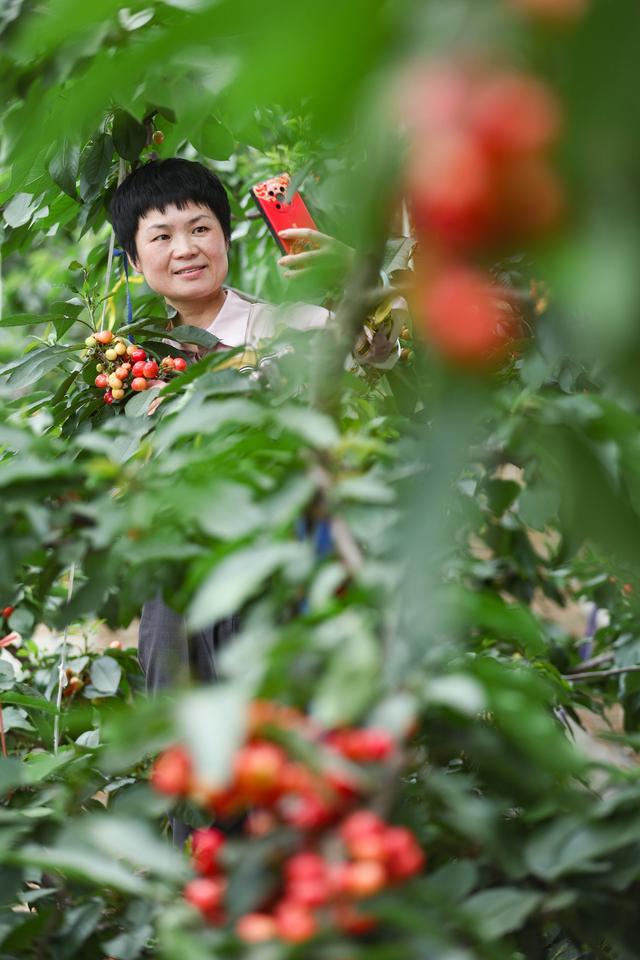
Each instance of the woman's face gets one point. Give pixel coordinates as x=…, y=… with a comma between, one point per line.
x=182, y=253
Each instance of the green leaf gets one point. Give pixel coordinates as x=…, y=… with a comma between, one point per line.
x=511, y=622
x=105, y=675
x=96, y=166
x=63, y=167
x=19, y=210
x=35, y=702
x=349, y=684
x=81, y=863
x=30, y=368
x=77, y=926
x=315, y=428
x=501, y=910
x=195, y=335
x=27, y=319
x=213, y=139
x=236, y=578
x=199, y=714
x=129, y=136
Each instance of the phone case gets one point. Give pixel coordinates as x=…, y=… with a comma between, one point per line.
x=270, y=197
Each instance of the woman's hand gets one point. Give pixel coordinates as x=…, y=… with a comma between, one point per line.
x=323, y=254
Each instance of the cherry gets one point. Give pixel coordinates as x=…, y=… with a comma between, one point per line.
x=307, y=811
x=515, y=114
x=171, y=773
x=361, y=824
x=179, y=363
x=466, y=317
x=158, y=137
x=205, y=846
x=351, y=920
x=150, y=370
x=294, y=923
x=103, y=336
x=305, y=866
x=138, y=354
x=6, y=612
x=138, y=384
x=256, y=927
x=138, y=368
x=101, y=381
x=363, y=746
x=258, y=768
x=108, y=397
x=206, y=895
x=364, y=878
x=404, y=856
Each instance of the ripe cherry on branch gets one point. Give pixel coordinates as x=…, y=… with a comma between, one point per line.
x=469, y=320
x=470, y=131
x=343, y=853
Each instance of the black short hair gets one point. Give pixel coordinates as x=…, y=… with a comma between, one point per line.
x=159, y=183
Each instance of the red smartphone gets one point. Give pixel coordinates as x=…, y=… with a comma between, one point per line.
x=271, y=198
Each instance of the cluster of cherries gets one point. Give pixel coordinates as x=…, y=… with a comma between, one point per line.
x=345, y=852
x=125, y=367
x=480, y=179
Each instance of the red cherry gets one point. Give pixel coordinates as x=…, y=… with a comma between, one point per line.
x=309, y=893
x=305, y=866
x=307, y=811
x=171, y=773
x=348, y=918
x=515, y=114
x=294, y=923
x=362, y=823
x=404, y=856
x=258, y=769
x=138, y=384
x=6, y=612
x=150, y=370
x=101, y=381
x=364, y=878
x=468, y=319
x=138, y=369
x=138, y=355
x=179, y=363
x=451, y=190
x=206, y=894
x=364, y=746
x=103, y=336
x=260, y=822
x=107, y=397
x=256, y=927
x=205, y=846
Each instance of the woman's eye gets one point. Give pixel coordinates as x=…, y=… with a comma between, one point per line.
x=162, y=236
x=202, y=227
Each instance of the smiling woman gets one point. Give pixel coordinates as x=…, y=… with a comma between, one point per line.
x=184, y=258
x=174, y=221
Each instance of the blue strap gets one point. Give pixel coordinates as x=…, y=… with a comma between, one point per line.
x=125, y=264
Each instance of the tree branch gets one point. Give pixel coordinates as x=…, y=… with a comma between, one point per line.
x=599, y=674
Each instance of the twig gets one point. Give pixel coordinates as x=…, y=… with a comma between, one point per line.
x=345, y=543
x=62, y=666
x=599, y=674
x=112, y=240
x=592, y=662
